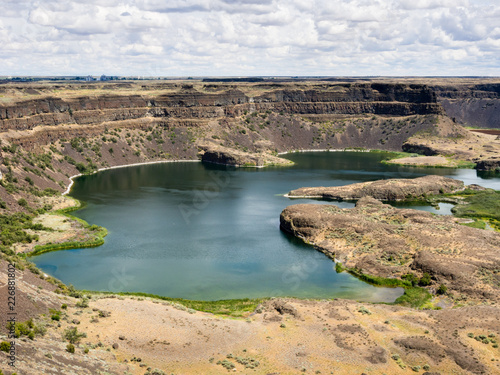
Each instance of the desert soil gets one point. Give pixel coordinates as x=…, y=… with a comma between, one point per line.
x=285, y=336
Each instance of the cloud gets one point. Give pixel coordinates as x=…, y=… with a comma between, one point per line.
x=250, y=37
x=431, y=4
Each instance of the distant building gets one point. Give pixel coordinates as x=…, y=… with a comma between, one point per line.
x=89, y=79
x=104, y=78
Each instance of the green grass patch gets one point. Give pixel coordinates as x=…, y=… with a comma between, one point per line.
x=464, y=164
x=98, y=234
x=394, y=155
x=414, y=297
x=483, y=204
x=479, y=224
x=230, y=307
x=379, y=281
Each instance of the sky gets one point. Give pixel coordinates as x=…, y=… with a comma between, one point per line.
x=250, y=37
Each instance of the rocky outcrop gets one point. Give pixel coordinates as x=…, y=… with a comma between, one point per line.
x=384, y=190
x=385, y=241
x=452, y=140
x=488, y=165
x=221, y=155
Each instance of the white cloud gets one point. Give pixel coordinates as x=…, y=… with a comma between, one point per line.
x=250, y=37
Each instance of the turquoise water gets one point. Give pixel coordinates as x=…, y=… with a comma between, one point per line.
x=208, y=232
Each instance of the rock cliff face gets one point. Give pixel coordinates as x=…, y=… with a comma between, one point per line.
x=476, y=105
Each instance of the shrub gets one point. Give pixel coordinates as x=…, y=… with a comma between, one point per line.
x=5, y=346
x=56, y=315
x=73, y=336
x=81, y=167
x=83, y=303
x=338, y=267
x=50, y=192
x=363, y=310
x=442, y=289
x=72, y=292
x=70, y=348
x=413, y=279
x=425, y=280
x=155, y=372
x=75, y=143
x=40, y=329
x=414, y=297
x=22, y=202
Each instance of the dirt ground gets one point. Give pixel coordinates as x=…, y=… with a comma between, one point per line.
x=132, y=335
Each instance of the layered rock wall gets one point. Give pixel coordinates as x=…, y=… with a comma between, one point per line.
x=350, y=99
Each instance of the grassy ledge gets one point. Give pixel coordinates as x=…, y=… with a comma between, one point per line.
x=413, y=296
x=98, y=234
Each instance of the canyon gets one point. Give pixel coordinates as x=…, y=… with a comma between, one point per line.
x=99, y=125
x=50, y=131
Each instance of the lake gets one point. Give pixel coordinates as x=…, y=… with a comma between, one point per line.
x=209, y=232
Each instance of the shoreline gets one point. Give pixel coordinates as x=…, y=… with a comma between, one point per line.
x=71, y=178
x=330, y=150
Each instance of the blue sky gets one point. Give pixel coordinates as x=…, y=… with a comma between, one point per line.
x=250, y=37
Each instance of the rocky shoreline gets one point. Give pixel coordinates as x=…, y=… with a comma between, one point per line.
x=225, y=156
x=385, y=190
x=389, y=242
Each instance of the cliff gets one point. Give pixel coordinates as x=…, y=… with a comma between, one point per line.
x=471, y=104
x=188, y=102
